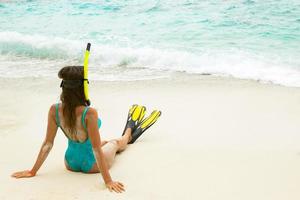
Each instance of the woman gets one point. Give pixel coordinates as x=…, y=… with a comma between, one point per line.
x=80, y=124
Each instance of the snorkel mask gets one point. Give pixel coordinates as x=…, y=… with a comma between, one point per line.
x=70, y=84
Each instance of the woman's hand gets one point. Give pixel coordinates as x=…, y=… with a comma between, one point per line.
x=115, y=186
x=23, y=174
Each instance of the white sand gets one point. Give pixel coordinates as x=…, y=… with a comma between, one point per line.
x=217, y=139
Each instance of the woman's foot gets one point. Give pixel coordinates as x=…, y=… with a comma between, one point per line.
x=123, y=141
x=135, y=115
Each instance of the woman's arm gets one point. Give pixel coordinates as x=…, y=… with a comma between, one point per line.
x=93, y=131
x=45, y=148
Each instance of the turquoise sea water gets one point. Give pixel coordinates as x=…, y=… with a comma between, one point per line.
x=139, y=39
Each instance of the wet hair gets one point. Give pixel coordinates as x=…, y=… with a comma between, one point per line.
x=72, y=94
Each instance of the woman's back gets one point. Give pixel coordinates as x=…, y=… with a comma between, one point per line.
x=79, y=154
x=80, y=134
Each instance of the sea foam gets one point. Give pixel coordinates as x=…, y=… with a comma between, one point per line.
x=21, y=54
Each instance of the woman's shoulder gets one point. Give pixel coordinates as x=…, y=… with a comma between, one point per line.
x=52, y=111
x=92, y=115
x=53, y=108
x=92, y=112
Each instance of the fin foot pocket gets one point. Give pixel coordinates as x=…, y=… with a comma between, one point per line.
x=135, y=115
x=144, y=125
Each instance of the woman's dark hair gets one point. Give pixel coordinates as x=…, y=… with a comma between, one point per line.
x=71, y=97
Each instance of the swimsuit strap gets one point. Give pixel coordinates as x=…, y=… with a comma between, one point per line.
x=56, y=115
x=83, y=117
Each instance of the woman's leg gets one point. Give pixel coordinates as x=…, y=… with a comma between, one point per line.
x=111, y=148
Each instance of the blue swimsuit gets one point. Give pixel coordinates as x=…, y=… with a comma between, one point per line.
x=79, y=155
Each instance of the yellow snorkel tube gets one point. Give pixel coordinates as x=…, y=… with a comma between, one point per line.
x=85, y=74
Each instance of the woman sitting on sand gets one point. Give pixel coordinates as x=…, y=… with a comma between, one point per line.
x=86, y=152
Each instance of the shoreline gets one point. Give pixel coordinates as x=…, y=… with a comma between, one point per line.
x=176, y=77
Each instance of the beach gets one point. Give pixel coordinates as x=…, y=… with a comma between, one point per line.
x=225, y=74
x=217, y=138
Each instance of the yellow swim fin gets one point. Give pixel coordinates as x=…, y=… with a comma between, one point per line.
x=135, y=115
x=144, y=125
